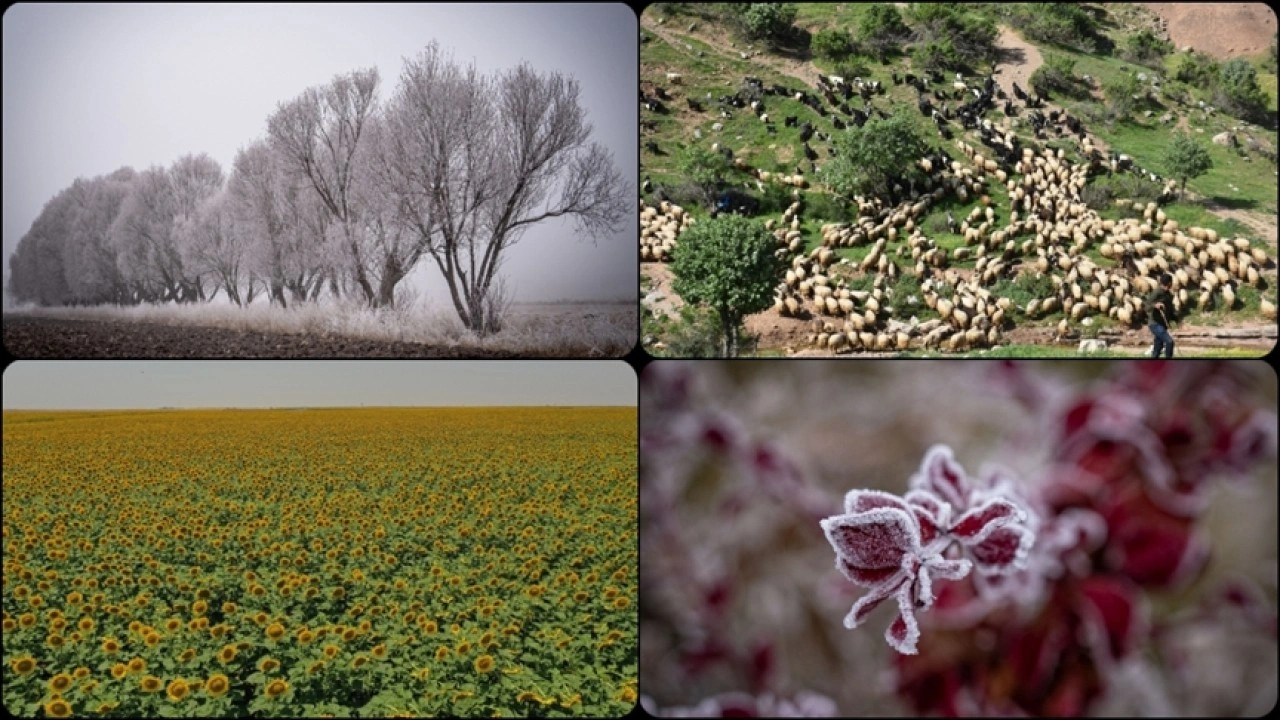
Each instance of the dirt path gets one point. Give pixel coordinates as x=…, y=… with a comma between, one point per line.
x=660, y=298
x=800, y=70
x=1264, y=225
x=1018, y=59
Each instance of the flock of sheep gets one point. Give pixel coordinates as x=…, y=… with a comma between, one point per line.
x=1046, y=231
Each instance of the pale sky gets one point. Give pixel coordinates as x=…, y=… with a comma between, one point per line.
x=91, y=88
x=120, y=384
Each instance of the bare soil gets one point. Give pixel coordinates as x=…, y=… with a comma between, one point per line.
x=42, y=337
x=1221, y=30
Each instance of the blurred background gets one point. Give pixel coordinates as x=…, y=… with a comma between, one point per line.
x=741, y=604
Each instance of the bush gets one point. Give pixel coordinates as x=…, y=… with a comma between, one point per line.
x=1238, y=89
x=1124, y=94
x=853, y=67
x=1057, y=76
x=870, y=159
x=1064, y=24
x=937, y=55
x=881, y=29
x=706, y=170
x=728, y=264
x=1097, y=196
x=1145, y=48
x=695, y=333
x=832, y=44
x=969, y=35
x=771, y=23
x=1197, y=70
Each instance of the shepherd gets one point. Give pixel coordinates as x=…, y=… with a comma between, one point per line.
x=1159, y=313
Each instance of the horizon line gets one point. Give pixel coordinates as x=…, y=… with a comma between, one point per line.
x=309, y=407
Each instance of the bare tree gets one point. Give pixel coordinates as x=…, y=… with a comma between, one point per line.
x=476, y=161
x=319, y=135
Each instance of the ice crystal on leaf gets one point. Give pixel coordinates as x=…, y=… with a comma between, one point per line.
x=897, y=546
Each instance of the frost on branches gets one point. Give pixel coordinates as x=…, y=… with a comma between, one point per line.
x=946, y=525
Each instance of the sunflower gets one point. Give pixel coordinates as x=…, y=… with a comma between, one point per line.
x=526, y=696
x=199, y=608
x=187, y=655
x=152, y=639
x=379, y=650
x=106, y=707
x=151, y=683
x=260, y=618
x=487, y=638
x=228, y=608
x=59, y=683
x=268, y=664
x=622, y=603
x=55, y=641
x=227, y=654
x=430, y=626
x=178, y=689
x=581, y=596
x=217, y=685
x=86, y=624
x=172, y=625
x=80, y=673
x=331, y=651
x=359, y=660
x=58, y=708
x=339, y=592
x=10, y=624
x=110, y=646
x=26, y=620
x=315, y=667
x=276, y=688
x=422, y=673
x=137, y=665
x=610, y=593
x=628, y=695
x=305, y=636
x=119, y=670
x=350, y=634
x=613, y=636
x=484, y=664
x=463, y=647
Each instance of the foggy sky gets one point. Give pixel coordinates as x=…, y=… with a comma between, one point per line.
x=91, y=88
x=119, y=384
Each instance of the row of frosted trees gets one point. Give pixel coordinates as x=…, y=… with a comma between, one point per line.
x=344, y=196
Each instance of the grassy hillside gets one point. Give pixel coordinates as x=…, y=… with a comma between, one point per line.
x=713, y=58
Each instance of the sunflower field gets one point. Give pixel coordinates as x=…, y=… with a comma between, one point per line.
x=320, y=562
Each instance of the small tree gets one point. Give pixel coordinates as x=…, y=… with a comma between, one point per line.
x=1121, y=90
x=832, y=44
x=881, y=29
x=1238, y=89
x=706, y=170
x=727, y=263
x=770, y=23
x=870, y=159
x=1144, y=47
x=1186, y=159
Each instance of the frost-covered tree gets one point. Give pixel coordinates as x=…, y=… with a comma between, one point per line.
x=321, y=137
x=92, y=273
x=477, y=160
x=215, y=245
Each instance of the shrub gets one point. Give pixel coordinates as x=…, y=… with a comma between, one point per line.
x=771, y=23
x=937, y=55
x=1064, y=24
x=1238, y=90
x=1145, y=48
x=705, y=169
x=1057, y=76
x=870, y=159
x=1197, y=70
x=1124, y=94
x=832, y=44
x=970, y=35
x=881, y=29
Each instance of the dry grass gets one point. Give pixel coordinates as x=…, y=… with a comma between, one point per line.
x=593, y=330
